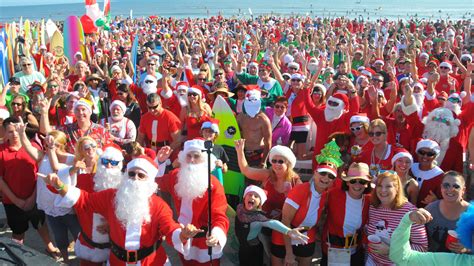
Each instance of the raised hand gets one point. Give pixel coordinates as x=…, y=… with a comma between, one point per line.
x=295, y=234
x=240, y=145
x=20, y=126
x=420, y=216
x=44, y=106
x=164, y=153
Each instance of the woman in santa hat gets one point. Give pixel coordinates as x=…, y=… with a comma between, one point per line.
x=359, y=125
x=402, y=162
x=194, y=114
x=347, y=209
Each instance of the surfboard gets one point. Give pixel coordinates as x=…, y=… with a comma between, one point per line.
x=27, y=31
x=73, y=38
x=11, y=31
x=42, y=34
x=50, y=28
x=4, y=57
x=134, y=57
x=57, y=44
x=229, y=132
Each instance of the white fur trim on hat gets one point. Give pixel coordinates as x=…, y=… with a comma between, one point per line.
x=379, y=62
x=297, y=76
x=195, y=90
x=112, y=153
x=295, y=65
x=4, y=114
x=321, y=87
x=402, y=154
x=115, y=69
x=209, y=124
x=285, y=152
x=425, y=55
x=360, y=119
x=120, y=104
x=288, y=59
x=428, y=143
x=144, y=164
x=193, y=145
x=466, y=57
x=446, y=64
x=83, y=102
x=260, y=192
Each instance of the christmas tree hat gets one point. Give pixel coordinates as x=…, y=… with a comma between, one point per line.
x=330, y=154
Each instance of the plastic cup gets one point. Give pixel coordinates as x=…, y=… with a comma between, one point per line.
x=452, y=238
x=374, y=239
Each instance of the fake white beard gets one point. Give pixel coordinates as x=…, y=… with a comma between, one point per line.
x=192, y=178
x=107, y=178
x=183, y=100
x=132, y=201
x=149, y=88
x=454, y=107
x=419, y=99
x=332, y=113
x=116, y=118
x=252, y=108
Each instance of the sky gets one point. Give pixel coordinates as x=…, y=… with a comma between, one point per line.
x=37, y=2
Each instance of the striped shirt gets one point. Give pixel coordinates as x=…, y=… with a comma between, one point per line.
x=383, y=221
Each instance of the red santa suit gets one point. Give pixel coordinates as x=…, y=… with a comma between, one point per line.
x=377, y=164
x=140, y=96
x=427, y=181
x=158, y=128
x=133, y=238
x=343, y=215
x=196, y=212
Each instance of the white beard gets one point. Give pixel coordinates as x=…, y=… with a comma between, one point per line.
x=107, y=178
x=132, y=201
x=454, y=107
x=441, y=133
x=332, y=113
x=116, y=118
x=183, y=100
x=419, y=99
x=192, y=178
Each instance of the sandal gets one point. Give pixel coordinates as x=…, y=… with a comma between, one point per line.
x=56, y=254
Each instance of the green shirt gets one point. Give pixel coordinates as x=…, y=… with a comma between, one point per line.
x=402, y=254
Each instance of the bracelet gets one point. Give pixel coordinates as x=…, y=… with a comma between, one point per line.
x=61, y=187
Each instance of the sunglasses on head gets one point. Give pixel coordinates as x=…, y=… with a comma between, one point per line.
x=89, y=146
x=426, y=153
x=354, y=129
x=107, y=161
x=448, y=186
x=360, y=181
x=377, y=134
x=329, y=175
x=133, y=174
x=274, y=161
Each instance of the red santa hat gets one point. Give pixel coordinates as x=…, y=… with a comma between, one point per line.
x=428, y=143
x=341, y=99
x=446, y=64
x=379, y=61
x=112, y=152
x=327, y=168
x=260, y=192
x=294, y=65
x=195, y=90
x=182, y=86
x=194, y=145
x=360, y=118
x=402, y=153
x=145, y=164
x=285, y=152
x=298, y=76
x=83, y=102
x=118, y=103
x=211, y=124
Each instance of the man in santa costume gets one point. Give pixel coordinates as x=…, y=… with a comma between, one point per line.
x=144, y=88
x=122, y=130
x=188, y=188
x=428, y=175
x=440, y=126
x=335, y=117
x=138, y=219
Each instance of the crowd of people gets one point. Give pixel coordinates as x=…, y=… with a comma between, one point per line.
x=383, y=111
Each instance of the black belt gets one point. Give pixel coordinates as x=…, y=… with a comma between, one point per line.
x=201, y=234
x=344, y=241
x=133, y=256
x=94, y=244
x=158, y=143
x=300, y=119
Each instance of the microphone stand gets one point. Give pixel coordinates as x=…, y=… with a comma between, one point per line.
x=208, y=145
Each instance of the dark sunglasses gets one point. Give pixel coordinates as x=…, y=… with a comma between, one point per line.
x=333, y=103
x=426, y=153
x=26, y=65
x=317, y=92
x=360, y=181
x=377, y=80
x=296, y=80
x=354, y=129
x=443, y=67
x=203, y=79
x=17, y=104
x=192, y=94
x=277, y=161
x=454, y=100
x=107, y=161
x=377, y=134
x=330, y=176
x=218, y=74
x=448, y=186
x=293, y=68
x=133, y=174
x=152, y=107
x=148, y=81
x=151, y=64
x=78, y=87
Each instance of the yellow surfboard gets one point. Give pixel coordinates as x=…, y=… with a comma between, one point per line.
x=57, y=44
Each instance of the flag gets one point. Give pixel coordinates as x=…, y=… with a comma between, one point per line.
x=93, y=10
x=106, y=7
x=4, y=57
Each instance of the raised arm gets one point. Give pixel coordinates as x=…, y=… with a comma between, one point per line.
x=250, y=172
x=25, y=142
x=44, y=126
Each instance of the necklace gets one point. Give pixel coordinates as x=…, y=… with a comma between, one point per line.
x=375, y=165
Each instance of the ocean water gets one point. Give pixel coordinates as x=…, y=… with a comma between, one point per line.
x=367, y=9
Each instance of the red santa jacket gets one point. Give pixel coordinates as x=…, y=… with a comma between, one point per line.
x=196, y=212
x=427, y=181
x=298, y=113
x=132, y=237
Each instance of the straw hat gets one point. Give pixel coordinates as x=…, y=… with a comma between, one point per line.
x=357, y=171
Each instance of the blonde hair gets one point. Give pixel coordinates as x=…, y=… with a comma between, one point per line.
x=378, y=123
x=400, y=198
x=289, y=175
x=60, y=138
x=79, y=153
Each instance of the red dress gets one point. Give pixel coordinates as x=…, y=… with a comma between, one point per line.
x=193, y=125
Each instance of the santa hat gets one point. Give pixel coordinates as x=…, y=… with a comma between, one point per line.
x=83, y=102
x=402, y=153
x=297, y=76
x=112, y=152
x=194, y=145
x=466, y=57
x=145, y=164
x=294, y=65
x=379, y=61
x=360, y=118
x=406, y=79
x=428, y=143
x=118, y=103
x=115, y=68
x=288, y=59
x=260, y=192
x=182, y=86
x=419, y=85
x=320, y=87
x=446, y=64
x=285, y=152
x=195, y=90
x=4, y=114
x=341, y=99
x=327, y=168
x=424, y=55
x=456, y=95
x=367, y=72
x=442, y=95
x=211, y=124
x=252, y=102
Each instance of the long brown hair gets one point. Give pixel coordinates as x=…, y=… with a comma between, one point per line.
x=400, y=198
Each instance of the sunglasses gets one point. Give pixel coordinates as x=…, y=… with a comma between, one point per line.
x=152, y=107
x=354, y=129
x=17, y=104
x=148, y=81
x=203, y=79
x=89, y=146
x=330, y=176
x=298, y=80
x=15, y=83
x=426, y=153
x=454, y=100
x=192, y=94
x=218, y=74
x=274, y=161
x=293, y=68
x=26, y=65
x=377, y=80
x=377, y=134
x=448, y=186
x=317, y=92
x=278, y=106
x=107, y=161
x=443, y=67
x=152, y=64
x=133, y=174
x=53, y=86
x=78, y=87
x=333, y=103
x=360, y=181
